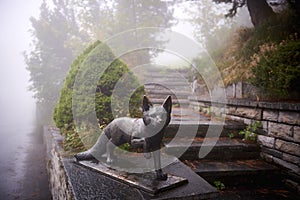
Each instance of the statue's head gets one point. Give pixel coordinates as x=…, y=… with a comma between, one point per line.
x=157, y=117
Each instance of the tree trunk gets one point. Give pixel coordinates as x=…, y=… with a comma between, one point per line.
x=259, y=11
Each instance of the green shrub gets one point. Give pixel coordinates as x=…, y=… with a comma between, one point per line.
x=277, y=71
x=274, y=30
x=96, y=59
x=219, y=185
x=267, y=56
x=249, y=132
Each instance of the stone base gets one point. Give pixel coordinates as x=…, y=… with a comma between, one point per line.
x=144, y=181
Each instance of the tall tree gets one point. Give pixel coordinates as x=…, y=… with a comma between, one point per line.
x=101, y=20
x=49, y=59
x=211, y=29
x=138, y=14
x=259, y=10
x=65, y=27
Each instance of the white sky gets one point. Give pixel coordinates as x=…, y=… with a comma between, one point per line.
x=184, y=28
x=14, y=39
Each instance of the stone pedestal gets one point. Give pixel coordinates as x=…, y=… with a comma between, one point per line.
x=144, y=181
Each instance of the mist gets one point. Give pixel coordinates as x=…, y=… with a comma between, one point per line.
x=17, y=105
x=18, y=120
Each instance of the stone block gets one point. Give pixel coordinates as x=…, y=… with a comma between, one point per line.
x=249, y=112
x=265, y=125
x=266, y=141
x=235, y=118
x=272, y=152
x=239, y=90
x=288, y=147
x=292, y=184
x=292, y=159
x=287, y=165
x=289, y=117
x=266, y=157
x=270, y=115
x=230, y=91
x=281, y=131
x=297, y=134
x=231, y=109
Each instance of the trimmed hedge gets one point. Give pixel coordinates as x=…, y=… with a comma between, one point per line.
x=97, y=59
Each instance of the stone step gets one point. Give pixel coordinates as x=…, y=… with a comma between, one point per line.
x=163, y=82
x=170, y=75
x=185, y=93
x=237, y=172
x=164, y=71
x=186, y=126
x=181, y=102
x=218, y=148
x=164, y=95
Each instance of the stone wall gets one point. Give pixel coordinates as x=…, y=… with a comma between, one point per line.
x=58, y=180
x=280, y=136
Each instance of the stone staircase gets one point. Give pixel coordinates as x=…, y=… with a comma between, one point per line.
x=160, y=83
x=232, y=161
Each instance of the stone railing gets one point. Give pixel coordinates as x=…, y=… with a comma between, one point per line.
x=280, y=135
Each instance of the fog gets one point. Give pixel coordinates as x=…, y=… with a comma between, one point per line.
x=16, y=103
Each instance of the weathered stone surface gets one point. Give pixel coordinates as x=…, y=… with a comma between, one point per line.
x=281, y=130
x=288, y=147
x=145, y=181
x=230, y=91
x=231, y=109
x=270, y=115
x=239, y=90
x=292, y=159
x=272, y=152
x=266, y=157
x=266, y=141
x=247, y=121
x=265, y=126
x=60, y=189
x=296, y=133
x=252, y=113
x=287, y=165
x=293, y=184
x=289, y=117
x=280, y=106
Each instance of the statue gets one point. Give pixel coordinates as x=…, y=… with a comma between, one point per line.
x=146, y=133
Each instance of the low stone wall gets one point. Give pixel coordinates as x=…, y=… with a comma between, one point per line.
x=58, y=180
x=280, y=136
x=70, y=180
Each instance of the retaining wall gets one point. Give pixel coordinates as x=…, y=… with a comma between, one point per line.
x=58, y=180
x=279, y=138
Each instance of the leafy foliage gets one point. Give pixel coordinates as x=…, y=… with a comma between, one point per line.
x=64, y=28
x=219, y=185
x=277, y=70
x=249, y=131
x=88, y=65
x=267, y=56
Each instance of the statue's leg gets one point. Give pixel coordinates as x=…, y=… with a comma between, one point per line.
x=146, y=149
x=110, y=152
x=157, y=165
x=142, y=142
